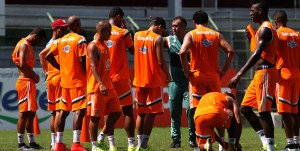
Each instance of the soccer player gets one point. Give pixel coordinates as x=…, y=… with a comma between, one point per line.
x=59, y=28
x=71, y=51
x=150, y=73
x=204, y=73
x=224, y=108
x=260, y=92
x=103, y=99
x=23, y=57
x=288, y=84
x=117, y=43
x=178, y=86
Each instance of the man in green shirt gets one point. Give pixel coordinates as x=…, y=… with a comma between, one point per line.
x=178, y=87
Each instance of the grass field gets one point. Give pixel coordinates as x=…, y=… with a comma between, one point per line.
x=159, y=141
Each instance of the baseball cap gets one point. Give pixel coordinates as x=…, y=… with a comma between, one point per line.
x=59, y=23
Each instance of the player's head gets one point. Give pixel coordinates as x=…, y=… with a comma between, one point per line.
x=259, y=11
x=74, y=24
x=38, y=36
x=280, y=18
x=59, y=26
x=200, y=17
x=117, y=15
x=179, y=25
x=158, y=24
x=103, y=29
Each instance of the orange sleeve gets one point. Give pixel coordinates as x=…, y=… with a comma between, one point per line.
x=82, y=46
x=54, y=47
x=128, y=39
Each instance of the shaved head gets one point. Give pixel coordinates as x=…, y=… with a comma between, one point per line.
x=74, y=24
x=103, y=30
x=102, y=25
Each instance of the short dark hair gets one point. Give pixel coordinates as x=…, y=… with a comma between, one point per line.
x=40, y=32
x=115, y=11
x=158, y=21
x=263, y=6
x=280, y=16
x=182, y=20
x=200, y=17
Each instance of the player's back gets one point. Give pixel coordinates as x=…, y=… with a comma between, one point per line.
x=119, y=40
x=147, y=71
x=288, y=48
x=70, y=48
x=205, y=50
x=212, y=102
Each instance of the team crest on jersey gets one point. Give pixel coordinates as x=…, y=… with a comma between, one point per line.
x=109, y=43
x=206, y=43
x=292, y=44
x=66, y=48
x=143, y=50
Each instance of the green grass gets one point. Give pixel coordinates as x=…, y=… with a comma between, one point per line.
x=159, y=141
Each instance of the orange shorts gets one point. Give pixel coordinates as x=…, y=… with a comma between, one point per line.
x=260, y=92
x=149, y=100
x=53, y=91
x=205, y=125
x=26, y=94
x=287, y=95
x=198, y=87
x=72, y=99
x=100, y=105
x=123, y=89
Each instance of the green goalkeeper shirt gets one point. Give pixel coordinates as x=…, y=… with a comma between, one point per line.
x=176, y=72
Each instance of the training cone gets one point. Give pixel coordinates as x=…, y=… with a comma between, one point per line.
x=36, y=126
x=85, y=137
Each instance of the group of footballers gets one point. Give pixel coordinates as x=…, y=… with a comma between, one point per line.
x=93, y=79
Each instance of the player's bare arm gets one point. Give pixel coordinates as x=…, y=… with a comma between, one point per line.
x=186, y=45
x=43, y=60
x=229, y=55
x=160, y=57
x=264, y=37
x=51, y=59
x=92, y=56
x=131, y=50
x=83, y=58
x=24, y=68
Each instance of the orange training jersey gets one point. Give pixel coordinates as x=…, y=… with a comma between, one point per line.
x=270, y=51
x=147, y=71
x=103, y=67
x=30, y=54
x=69, y=49
x=288, y=55
x=204, y=51
x=212, y=102
x=119, y=40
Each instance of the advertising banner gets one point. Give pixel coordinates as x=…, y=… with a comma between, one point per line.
x=9, y=111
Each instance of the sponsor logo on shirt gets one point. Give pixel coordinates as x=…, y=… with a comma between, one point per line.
x=143, y=50
x=206, y=43
x=292, y=44
x=66, y=48
x=109, y=43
